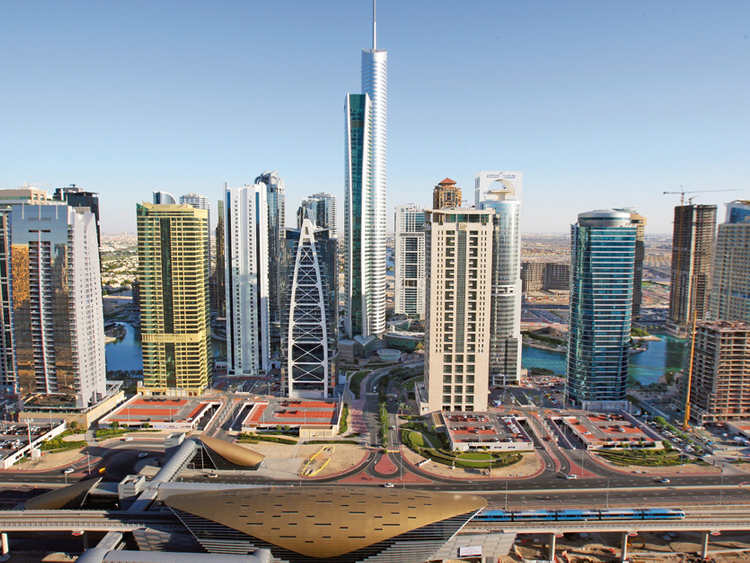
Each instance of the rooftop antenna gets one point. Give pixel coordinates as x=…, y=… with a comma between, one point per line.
x=374, y=26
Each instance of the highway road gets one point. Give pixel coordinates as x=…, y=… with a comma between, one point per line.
x=600, y=486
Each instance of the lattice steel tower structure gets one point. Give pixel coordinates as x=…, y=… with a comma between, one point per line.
x=309, y=267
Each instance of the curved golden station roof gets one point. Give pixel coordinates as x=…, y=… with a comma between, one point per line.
x=325, y=522
x=58, y=498
x=232, y=452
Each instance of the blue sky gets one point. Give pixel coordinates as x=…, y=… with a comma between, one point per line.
x=600, y=103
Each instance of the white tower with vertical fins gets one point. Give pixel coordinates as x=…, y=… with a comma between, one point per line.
x=365, y=213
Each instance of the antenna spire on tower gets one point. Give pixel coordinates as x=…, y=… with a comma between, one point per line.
x=374, y=26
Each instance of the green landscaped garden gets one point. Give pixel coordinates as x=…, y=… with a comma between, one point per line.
x=647, y=458
x=422, y=443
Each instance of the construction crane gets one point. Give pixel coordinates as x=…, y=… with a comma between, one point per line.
x=682, y=193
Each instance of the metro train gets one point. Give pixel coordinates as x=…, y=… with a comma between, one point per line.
x=579, y=515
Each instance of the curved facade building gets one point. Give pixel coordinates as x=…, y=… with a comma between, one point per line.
x=334, y=524
x=227, y=455
x=364, y=214
x=601, y=305
x=504, y=197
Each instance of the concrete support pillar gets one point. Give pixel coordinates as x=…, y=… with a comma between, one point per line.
x=704, y=544
x=85, y=541
x=624, y=556
x=4, y=542
x=552, y=541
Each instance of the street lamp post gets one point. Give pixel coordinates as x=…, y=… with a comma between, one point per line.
x=506, y=495
x=721, y=488
x=606, y=502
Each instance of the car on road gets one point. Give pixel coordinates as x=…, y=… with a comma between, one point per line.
x=571, y=476
x=662, y=480
x=212, y=475
x=128, y=439
x=142, y=455
x=389, y=485
x=68, y=471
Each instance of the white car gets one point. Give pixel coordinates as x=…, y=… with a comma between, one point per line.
x=389, y=485
x=571, y=476
x=68, y=471
x=142, y=455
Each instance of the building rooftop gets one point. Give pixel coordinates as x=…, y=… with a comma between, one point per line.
x=483, y=427
x=290, y=412
x=607, y=430
x=160, y=412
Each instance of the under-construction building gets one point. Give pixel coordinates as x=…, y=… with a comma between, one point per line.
x=540, y=276
x=720, y=382
x=692, y=255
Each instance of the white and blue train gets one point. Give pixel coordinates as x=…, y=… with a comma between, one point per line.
x=579, y=515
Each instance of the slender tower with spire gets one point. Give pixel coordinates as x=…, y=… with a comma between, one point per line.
x=364, y=201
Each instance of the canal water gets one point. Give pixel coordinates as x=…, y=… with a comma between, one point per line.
x=126, y=354
x=664, y=355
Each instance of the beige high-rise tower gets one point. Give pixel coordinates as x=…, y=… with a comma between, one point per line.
x=175, y=319
x=459, y=276
x=446, y=194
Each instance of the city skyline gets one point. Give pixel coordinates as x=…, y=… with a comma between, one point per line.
x=598, y=114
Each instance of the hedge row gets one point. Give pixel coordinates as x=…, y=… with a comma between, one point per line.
x=352, y=442
x=344, y=425
x=259, y=438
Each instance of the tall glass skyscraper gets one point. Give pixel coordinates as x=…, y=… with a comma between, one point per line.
x=322, y=210
x=275, y=199
x=504, y=197
x=364, y=202
x=601, y=305
x=730, y=295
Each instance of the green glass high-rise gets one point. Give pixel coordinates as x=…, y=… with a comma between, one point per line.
x=601, y=299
